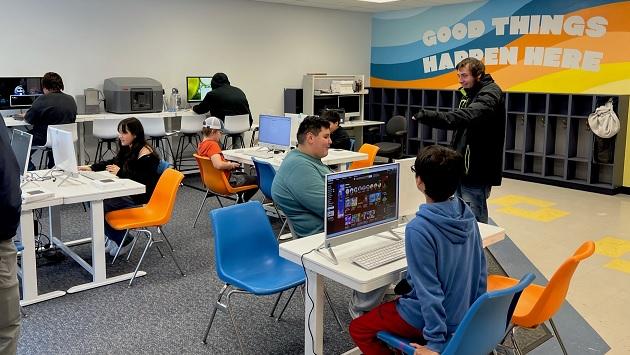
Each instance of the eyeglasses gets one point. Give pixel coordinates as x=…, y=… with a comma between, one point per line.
x=413, y=169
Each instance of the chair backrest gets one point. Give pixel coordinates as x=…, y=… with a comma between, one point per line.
x=192, y=124
x=236, y=124
x=105, y=128
x=556, y=290
x=396, y=124
x=153, y=126
x=214, y=179
x=371, y=151
x=486, y=321
x=68, y=127
x=162, y=166
x=483, y=327
x=163, y=197
x=239, y=245
x=265, y=173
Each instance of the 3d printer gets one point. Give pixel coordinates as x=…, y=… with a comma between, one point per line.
x=132, y=95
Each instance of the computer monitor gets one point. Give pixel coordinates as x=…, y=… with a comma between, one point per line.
x=296, y=119
x=411, y=198
x=360, y=203
x=274, y=132
x=63, y=151
x=17, y=92
x=197, y=87
x=350, y=104
x=21, y=144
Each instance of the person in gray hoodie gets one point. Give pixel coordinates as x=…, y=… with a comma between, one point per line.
x=446, y=264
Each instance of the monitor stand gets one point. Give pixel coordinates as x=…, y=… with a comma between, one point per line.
x=327, y=252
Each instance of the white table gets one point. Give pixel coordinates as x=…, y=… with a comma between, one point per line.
x=348, y=274
x=12, y=122
x=75, y=190
x=334, y=157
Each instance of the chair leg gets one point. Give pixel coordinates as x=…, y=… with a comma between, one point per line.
x=275, y=304
x=149, y=243
x=121, y=243
x=334, y=312
x=178, y=155
x=159, y=251
x=214, y=311
x=201, y=207
x=555, y=332
x=233, y=320
x=286, y=304
x=170, y=147
x=133, y=245
x=170, y=250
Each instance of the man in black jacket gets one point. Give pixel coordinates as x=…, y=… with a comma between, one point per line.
x=54, y=107
x=339, y=136
x=479, y=125
x=224, y=100
x=10, y=203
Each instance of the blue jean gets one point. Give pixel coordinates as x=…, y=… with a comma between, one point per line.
x=475, y=196
x=113, y=204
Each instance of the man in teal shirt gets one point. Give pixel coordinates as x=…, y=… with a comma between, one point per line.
x=298, y=188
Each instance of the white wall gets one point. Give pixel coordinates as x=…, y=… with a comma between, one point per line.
x=262, y=47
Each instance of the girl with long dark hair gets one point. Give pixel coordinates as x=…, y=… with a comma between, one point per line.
x=136, y=160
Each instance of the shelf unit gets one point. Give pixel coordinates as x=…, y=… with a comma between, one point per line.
x=384, y=103
x=316, y=96
x=547, y=136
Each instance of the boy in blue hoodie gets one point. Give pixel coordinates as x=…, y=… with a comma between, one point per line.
x=445, y=261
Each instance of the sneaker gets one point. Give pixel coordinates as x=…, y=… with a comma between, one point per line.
x=109, y=245
x=124, y=250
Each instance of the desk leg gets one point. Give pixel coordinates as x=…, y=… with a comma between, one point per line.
x=99, y=273
x=54, y=220
x=81, y=147
x=314, y=289
x=29, y=263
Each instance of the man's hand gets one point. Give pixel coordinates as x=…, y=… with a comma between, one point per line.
x=423, y=350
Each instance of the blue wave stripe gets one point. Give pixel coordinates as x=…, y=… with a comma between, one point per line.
x=409, y=30
x=412, y=69
x=415, y=50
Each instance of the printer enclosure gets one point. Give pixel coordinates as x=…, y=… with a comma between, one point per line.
x=132, y=95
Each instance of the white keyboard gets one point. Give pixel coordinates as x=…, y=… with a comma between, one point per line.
x=97, y=175
x=374, y=258
x=260, y=154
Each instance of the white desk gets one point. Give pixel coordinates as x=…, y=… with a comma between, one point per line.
x=348, y=274
x=334, y=157
x=12, y=122
x=72, y=191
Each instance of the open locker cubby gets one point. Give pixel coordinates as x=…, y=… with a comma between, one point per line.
x=547, y=138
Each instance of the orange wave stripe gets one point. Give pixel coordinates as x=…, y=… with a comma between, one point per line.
x=618, y=31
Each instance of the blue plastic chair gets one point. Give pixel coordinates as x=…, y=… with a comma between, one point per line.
x=265, y=173
x=484, y=326
x=247, y=257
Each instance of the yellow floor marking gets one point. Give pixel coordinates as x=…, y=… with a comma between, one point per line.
x=529, y=208
x=511, y=200
x=612, y=247
x=619, y=265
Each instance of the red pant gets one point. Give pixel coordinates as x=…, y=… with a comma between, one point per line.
x=384, y=317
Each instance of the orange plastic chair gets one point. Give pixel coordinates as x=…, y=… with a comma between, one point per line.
x=368, y=149
x=217, y=184
x=156, y=213
x=539, y=303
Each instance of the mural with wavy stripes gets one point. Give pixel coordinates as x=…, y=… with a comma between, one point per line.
x=562, y=46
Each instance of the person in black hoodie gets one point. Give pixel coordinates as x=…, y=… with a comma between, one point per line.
x=224, y=100
x=10, y=205
x=479, y=125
